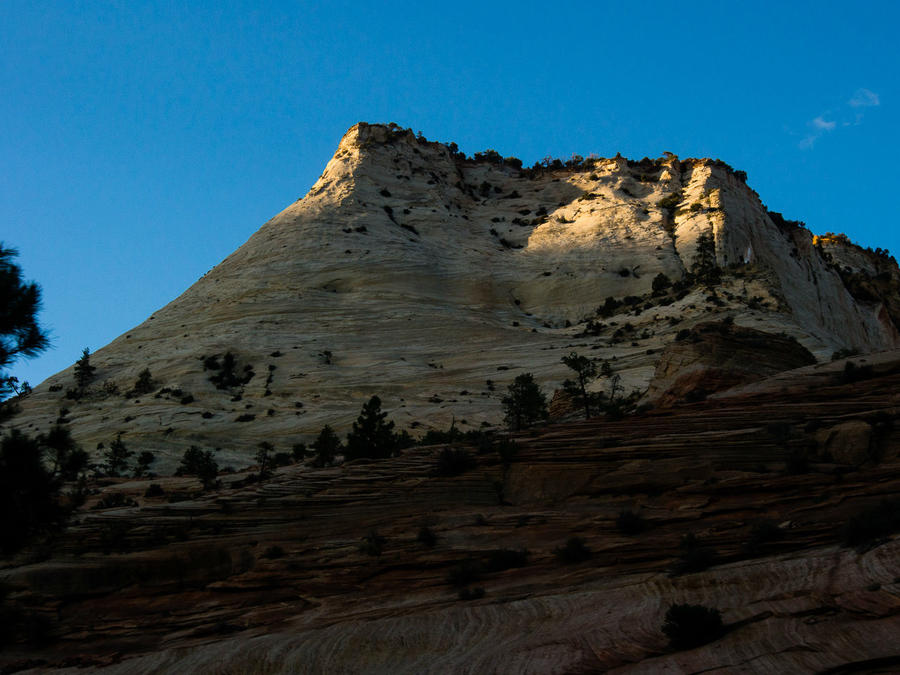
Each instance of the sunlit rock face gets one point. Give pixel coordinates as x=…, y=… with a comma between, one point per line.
x=432, y=280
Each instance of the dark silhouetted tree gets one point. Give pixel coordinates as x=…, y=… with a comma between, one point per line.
x=68, y=460
x=84, y=371
x=144, y=383
x=200, y=463
x=144, y=460
x=524, y=403
x=585, y=371
x=264, y=458
x=372, y=434
x=28, y=492
x=116, y=456
x=326, y=446
x=20, y=334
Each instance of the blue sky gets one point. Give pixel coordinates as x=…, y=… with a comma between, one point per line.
x=141, y=143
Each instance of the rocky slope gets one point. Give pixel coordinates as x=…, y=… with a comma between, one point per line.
x=432, y=280
x=325, y=570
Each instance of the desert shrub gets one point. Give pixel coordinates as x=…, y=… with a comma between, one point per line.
x=454, y=461
x=629, y=522
x=426, y=536
x=246, y=417
x=506, y=558
x=575, y=551
x=872, y=524
x=689, y=626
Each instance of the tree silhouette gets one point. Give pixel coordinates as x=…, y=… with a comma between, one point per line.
x=117, y=456
x=200, y=463
x=524, y=403
x=20, y=334
x=585, y=371
x=326, y=446
x=372, y=436
x=84, y=371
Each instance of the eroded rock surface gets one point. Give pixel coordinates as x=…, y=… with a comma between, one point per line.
x=719, y=355
x=326, y=570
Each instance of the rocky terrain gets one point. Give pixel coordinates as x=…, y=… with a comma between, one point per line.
x=754, y=471
x=328, y=570
x=431, y=279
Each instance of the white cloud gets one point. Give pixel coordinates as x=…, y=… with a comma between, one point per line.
x=863, y=98
x=843, y=117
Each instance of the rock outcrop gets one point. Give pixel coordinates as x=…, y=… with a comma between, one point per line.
x=432, y=280
x=714, y=356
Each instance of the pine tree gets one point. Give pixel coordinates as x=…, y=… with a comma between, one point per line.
x=117, y=456
x=20, y=334
x=264, y=458
x=585, y=370
x=326, y=446
x=371, y=436
x=524, y=403
x=84, y=371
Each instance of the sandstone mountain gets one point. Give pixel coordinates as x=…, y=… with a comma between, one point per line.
x=432, y=279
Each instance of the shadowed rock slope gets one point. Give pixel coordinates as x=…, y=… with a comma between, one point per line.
x=327, y=570
x=414, y=273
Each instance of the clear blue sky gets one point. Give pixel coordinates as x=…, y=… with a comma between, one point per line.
x=142, y=142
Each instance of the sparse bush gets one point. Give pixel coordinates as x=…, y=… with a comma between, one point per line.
x=575, y=551
x=689, y=626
